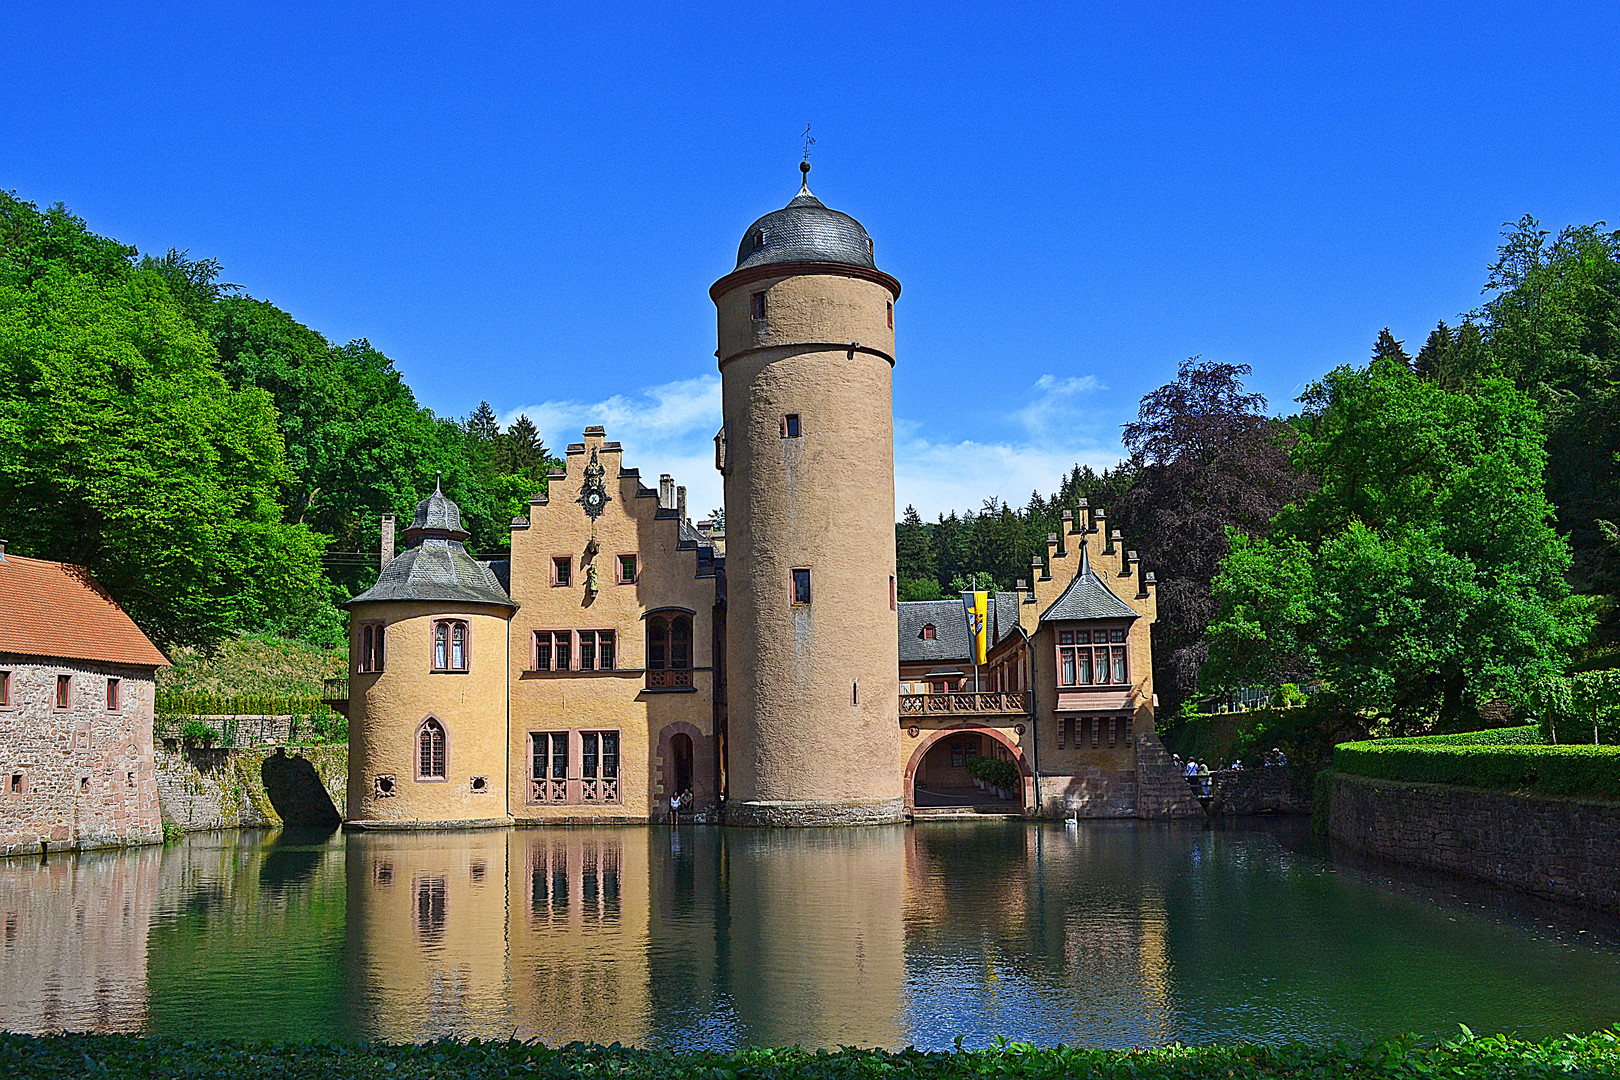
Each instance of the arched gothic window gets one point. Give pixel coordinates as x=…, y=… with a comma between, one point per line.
x=430, y=763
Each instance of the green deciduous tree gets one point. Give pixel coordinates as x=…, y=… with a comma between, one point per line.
x=124, y=450
x=1424, y=576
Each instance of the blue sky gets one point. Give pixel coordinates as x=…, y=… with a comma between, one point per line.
x=527, y=205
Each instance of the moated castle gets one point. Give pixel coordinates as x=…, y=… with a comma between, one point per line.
x=622, y=655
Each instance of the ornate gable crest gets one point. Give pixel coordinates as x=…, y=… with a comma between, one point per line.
x=593, y=494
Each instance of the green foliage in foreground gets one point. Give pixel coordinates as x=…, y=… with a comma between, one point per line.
x=1546, y=770
x=1596, y=1055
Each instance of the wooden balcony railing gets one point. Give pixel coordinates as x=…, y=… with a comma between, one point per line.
x=669, y=679
x=969, y=703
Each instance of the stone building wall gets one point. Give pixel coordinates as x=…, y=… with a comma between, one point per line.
x=1564, y=849
x=200, y=789
x=79, y=777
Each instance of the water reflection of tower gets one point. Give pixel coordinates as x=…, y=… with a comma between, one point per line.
x=426, y=942
x=816, y=952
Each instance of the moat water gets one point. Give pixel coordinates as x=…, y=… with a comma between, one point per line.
x=1110, y=934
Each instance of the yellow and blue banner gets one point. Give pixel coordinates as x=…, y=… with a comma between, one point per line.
x=976, y=605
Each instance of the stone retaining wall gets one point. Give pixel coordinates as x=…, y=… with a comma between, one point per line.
x=202, y=789
x=1564, y=849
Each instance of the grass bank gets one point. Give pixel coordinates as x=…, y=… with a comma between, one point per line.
x=256, y=665
x=22, y=1056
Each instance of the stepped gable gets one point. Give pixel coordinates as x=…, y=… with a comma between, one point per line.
x=1087, y=597
x=54, y=609
x=436, y=566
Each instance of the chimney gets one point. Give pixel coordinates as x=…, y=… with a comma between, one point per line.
x=1099, y=521
x=1080, y=522
x=680, y=502
x=666, y=492
x=387, y=552
x=1116, y=540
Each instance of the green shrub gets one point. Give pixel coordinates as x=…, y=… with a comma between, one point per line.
x=197, y=733
x=1549, y=770
x=1403, y=1057
x=995, y=771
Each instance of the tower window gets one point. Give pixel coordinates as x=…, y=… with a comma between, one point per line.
x=928, y=632
x=801, y=586
x=450, y=645
x=893, y=596
x=759, y=238
x=430, y=750
x=562, y=570
x=627, y=569
x=64, y=691
x=5, y=688
x=757, y=301
x=113, y=686
x=371, y=647
x=891, y=314
x=790, y=426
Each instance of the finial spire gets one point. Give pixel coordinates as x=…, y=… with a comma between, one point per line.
x=804, y=184
x=437, y=476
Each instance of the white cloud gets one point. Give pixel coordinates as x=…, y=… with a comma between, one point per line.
x=1055, y=408
x=670, y=428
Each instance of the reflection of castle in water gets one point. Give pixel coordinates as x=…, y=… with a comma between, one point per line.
x=73, y=941
x=708, y=936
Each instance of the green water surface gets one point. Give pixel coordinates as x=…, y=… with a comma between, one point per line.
x=1109, y=934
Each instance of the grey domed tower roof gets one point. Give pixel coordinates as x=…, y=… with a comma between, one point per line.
x=435, y=566
x=436, y=516
x=805, y=231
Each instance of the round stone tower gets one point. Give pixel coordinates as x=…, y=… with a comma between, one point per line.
x=428, y=650
x=806, y=355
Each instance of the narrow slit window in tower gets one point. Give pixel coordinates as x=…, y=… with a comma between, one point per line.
x=801, y=586
x=891, y=314
x=757, y=303
x=790, y=426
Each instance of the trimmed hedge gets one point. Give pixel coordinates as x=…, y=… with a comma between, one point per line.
x=1527, y=735
x=1465, y=1058
x=1547, y=770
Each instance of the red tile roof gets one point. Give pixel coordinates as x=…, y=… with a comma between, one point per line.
x=57, y=610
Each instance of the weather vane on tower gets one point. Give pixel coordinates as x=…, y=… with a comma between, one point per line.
x=804, y=166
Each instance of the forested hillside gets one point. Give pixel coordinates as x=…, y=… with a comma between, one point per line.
x=218, y=466
x=1428, y=532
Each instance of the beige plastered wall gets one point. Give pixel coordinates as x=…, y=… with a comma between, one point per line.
x=386, y=710
x=557, y=526
x=813, y=690
x=1084, y=775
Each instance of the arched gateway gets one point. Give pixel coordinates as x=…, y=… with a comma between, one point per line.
x=945, y=751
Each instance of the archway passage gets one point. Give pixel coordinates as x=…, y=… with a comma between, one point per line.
x=939, y=776
x=297, y=794
x=680, y=748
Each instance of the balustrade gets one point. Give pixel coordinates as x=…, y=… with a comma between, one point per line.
x=969, y=702
x=669, y=679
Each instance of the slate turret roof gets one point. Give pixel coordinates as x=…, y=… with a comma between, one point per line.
x=805, y=231
x=1087, y=597
x=436, y=567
